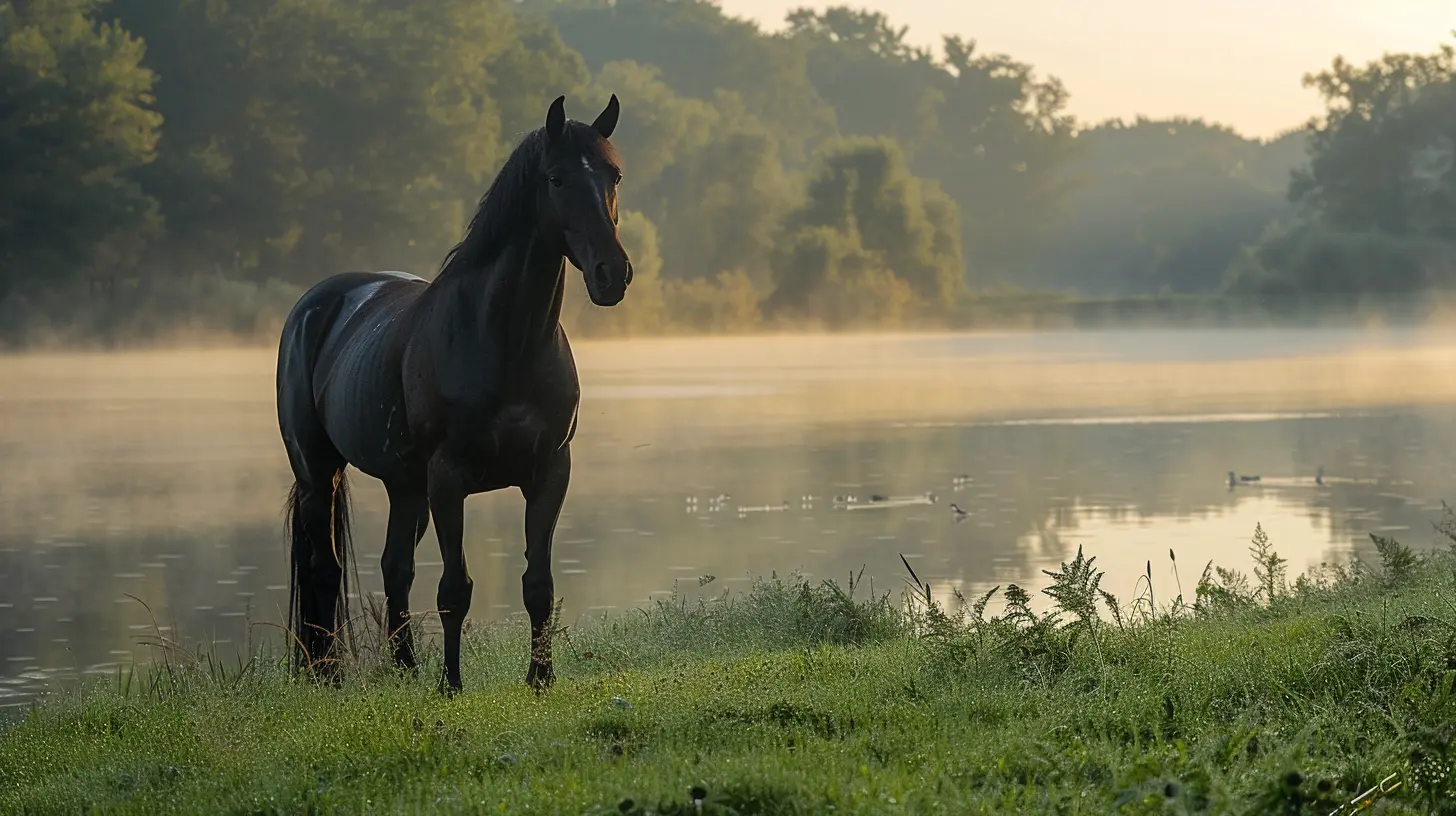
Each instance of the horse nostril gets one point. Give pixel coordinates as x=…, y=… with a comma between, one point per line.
x=629, y=272
x=601, y=277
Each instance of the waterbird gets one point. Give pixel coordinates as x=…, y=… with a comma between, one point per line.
x=1233, y=480
x=1319, y=476
x=957, y=513
x=766, y=508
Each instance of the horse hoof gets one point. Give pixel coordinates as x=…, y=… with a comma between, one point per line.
x=540, y=676
x=326, y=672
x=449, y=687
x=405, y=661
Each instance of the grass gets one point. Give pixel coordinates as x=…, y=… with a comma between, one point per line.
x=1257, y=696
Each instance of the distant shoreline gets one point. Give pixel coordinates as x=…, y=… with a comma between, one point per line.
x=983, y=312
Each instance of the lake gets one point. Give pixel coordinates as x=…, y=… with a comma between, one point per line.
x=159, y=475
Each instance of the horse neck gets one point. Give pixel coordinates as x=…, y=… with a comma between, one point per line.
x=511, y=306
x=536, y=287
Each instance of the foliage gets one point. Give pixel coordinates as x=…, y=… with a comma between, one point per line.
x=984, y=126
x=699, y=51
x=1382, y=156
x=831, y=174
x=314, y=137
x=1165, y=206
x=1378, y=200
x=75, y=123
x=708, y=171
x=1302, y=257
x=870, y=238
x=645, y=311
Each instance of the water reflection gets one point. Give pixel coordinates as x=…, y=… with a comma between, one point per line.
x=160, y=477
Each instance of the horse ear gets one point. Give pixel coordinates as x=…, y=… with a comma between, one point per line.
x=556, y=119
x=607, y=121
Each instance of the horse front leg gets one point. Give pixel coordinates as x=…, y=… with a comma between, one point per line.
x=409, y=516
x=544, y=497
x=452, y=600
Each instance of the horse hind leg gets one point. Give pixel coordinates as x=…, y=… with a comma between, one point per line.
x=318, y=507
x=319, y=551
x=409, y=516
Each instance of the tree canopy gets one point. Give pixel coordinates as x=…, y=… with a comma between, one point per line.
x=828, y=173
x=76, y=123
x=1377, y=202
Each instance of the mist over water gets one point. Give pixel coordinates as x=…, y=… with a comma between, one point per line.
x=160, y=475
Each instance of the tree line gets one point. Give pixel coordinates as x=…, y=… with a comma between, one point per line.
x=198, y=162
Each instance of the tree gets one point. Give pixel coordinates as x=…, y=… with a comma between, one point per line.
x=723, y=200
x=642, y=311
x=1377, y=205
x=75, y=123
x=1163, y=205
x=1382, y=156
x=699, y=50
x=869, y=226
x=984, y=126
x=306, y=137
x=707, y=171
x=877, y=84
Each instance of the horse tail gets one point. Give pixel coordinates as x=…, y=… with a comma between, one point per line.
x=300, y=554
x=342, y=537
x=303, y=580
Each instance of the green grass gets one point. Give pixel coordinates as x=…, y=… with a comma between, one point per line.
x=1257, y=697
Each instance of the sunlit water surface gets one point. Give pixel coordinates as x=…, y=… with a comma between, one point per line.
x=159, y=476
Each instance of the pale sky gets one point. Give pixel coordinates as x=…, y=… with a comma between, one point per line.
x=1237, y=62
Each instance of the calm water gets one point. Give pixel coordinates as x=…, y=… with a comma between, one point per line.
x=161, y=476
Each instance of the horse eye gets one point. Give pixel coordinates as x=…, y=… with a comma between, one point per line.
x=555, y=181
x=618, y=179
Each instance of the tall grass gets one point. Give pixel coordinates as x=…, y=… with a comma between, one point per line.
x=1258, y=696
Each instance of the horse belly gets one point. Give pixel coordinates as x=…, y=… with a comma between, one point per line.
x=375, y=438
x=363, y=408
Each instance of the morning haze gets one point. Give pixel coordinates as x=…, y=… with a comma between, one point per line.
x=958, y=294
x=1236, y=62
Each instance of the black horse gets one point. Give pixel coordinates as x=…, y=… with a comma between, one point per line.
x=450, y=388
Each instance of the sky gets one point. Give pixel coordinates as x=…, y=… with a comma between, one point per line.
x=1236, y=62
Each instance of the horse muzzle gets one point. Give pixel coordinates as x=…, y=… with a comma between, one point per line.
x=607, y=282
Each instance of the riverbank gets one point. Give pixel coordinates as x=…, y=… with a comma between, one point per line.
x=1255, y=695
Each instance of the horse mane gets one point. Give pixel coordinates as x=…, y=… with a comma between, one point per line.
x=507, y=203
